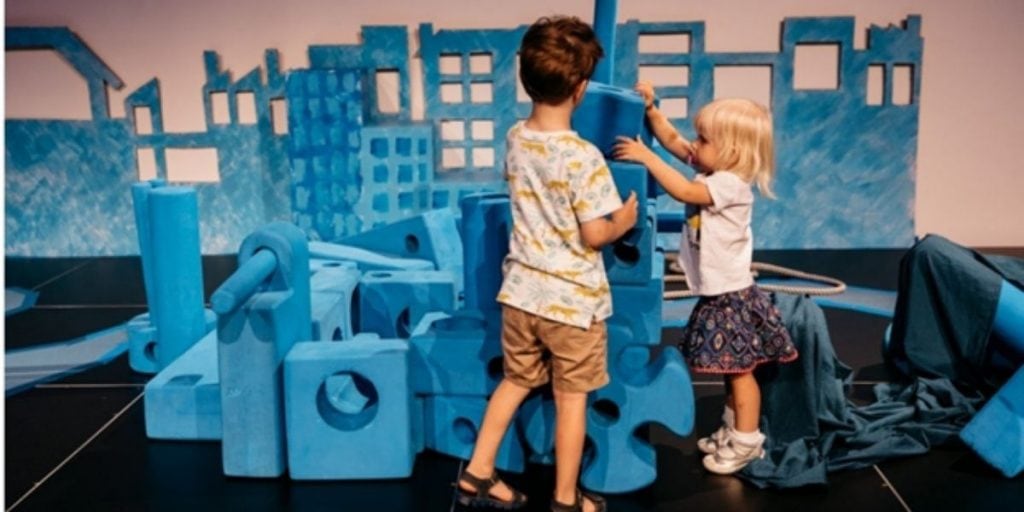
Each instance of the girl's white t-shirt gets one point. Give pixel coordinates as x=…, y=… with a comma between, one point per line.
x=717, y=244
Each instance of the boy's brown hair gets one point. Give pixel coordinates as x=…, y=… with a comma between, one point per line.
x=556, y=54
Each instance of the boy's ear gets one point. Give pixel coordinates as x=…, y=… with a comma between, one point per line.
x=581, y=89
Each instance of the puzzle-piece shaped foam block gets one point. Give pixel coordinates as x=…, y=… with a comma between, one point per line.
x=459, y=355
x=332, y=303
x=366, y=260
x=349, y=410
x=253, y=339
x=486, y=225
x=392, y=303
x=183, y=401
x=452, y=424
x=630, y=259
x=432, y=235
x=996, y=433
x=640, y=308
x=608, y=112
x=621, y=462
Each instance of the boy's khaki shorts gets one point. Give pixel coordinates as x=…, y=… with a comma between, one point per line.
x=578, y=360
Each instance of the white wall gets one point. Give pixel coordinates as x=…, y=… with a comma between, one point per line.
x=970, y=183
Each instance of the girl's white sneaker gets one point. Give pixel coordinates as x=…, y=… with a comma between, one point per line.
x=734, y=454
x=711, y=443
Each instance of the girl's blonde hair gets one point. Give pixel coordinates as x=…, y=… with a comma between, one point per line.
x=741, y=130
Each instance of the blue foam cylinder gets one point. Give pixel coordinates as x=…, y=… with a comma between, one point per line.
x=350, y=413
x=177, y=272
x=608, y=112
x=140, y=203
x=1009, y=322
x=243, y=283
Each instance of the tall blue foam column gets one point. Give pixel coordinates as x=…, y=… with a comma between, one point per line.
x=177, y=272
x=263, y=310
x=605, y=13
x=141, y=329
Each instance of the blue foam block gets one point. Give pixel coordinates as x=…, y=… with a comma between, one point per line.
x=459, y=355
x=452, y=424
x=606, y=113
x=630, y=259
x=253, y=340
x=486, y=225
x=349, y=410
x=996, y=433
x=1009, y=322
x=182, y=402
x=333, y=303
x=620, y=461
x=364, y=259
x=640, y=308
x=17, y=300
x=392, y=303
x=431, y=235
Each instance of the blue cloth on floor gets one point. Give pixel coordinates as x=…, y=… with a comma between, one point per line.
x=813, y=428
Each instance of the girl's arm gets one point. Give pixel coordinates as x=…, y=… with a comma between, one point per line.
x=676, y=184
x=667, y=135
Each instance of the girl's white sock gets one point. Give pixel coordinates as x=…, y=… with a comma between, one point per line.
x=748, y=438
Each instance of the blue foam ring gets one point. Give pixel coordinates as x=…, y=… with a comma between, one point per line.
x=1009, y=322
x=177, y=271
x=608, y=112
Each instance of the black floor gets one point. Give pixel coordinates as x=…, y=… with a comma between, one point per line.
x=79, y=443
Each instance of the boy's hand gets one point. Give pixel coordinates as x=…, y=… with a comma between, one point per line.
x=646, y=90
x=626, y=216
x=633, y=150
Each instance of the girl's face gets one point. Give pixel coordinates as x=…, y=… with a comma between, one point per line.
x=705, y=155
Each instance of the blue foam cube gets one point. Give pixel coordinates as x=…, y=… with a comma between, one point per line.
x=349, y=410
x=460, y=355
x=606, y=113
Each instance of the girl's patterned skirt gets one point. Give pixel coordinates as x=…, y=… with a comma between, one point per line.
x=734, y=332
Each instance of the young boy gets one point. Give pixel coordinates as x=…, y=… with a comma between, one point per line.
x=555, y=291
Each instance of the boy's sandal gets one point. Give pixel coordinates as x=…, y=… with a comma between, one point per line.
x=481, y=497
x=599, y=503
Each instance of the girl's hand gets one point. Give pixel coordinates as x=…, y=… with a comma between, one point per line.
x=646, y=91
x=632, y=149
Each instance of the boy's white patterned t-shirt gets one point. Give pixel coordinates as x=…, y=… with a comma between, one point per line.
x=556, y=182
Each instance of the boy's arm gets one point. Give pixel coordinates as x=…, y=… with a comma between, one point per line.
x=667, y=135
x=601, y=231
x=674, y=183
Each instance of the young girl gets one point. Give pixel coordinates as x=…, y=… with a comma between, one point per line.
x=734, y=326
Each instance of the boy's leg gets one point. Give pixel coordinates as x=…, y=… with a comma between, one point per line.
x=746, y=401
x=570, y=432
x=500, y=409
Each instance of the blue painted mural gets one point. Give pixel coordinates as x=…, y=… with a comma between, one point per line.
x=350, y=161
